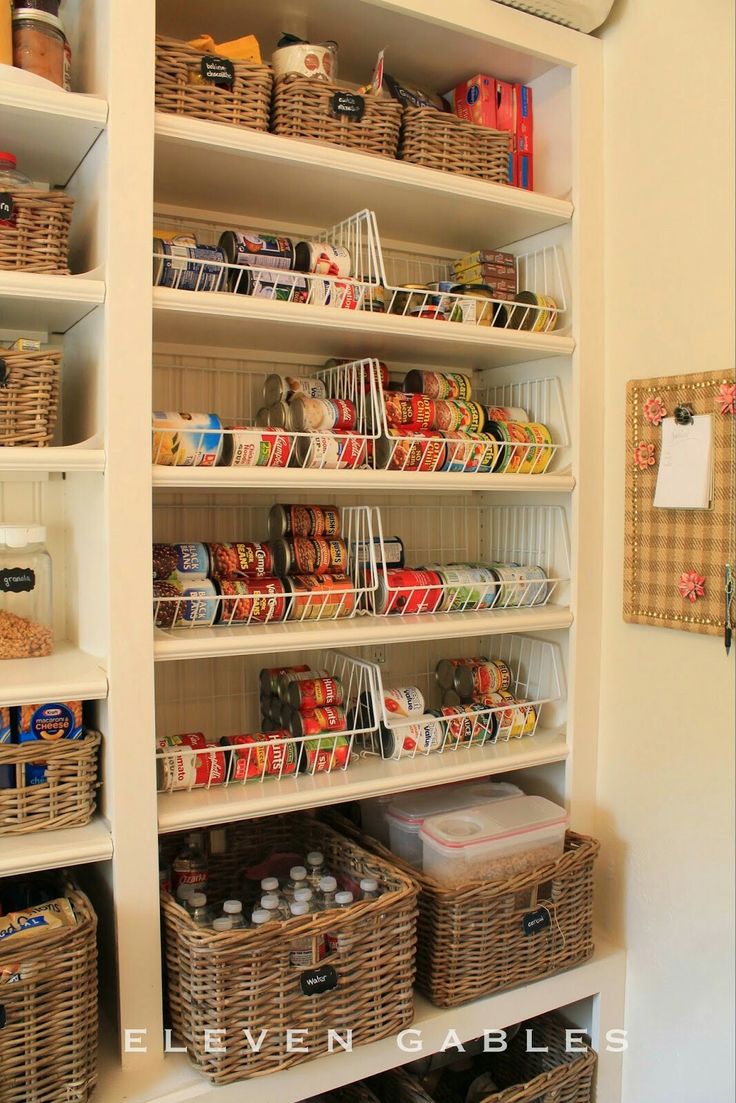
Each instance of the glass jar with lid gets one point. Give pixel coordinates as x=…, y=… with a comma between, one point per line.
x=26, y=609
x=40, y=45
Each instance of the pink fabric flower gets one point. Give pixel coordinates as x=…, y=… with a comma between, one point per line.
x=726, y=398
x=644, y=456
x=654, y=410
x=691, y=585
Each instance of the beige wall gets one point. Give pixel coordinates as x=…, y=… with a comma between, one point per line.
x=667, y=734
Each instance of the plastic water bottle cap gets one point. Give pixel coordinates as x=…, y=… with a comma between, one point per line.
x=327, y=884
x=303, y=896
x=299, y=909
x=198, y=900
x=224, y=923
x=368, y=884
x=261, y=916
x=269, y=903
x=270, y=884
x=297, y=873
x=343, y=897
x=232, y=907
x=315, y=858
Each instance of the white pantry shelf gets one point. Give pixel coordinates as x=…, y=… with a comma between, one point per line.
x=366, y=777
x=215, y=318
x=256, y=639
x=42, y=303
x=67, y=675
x=50, y=131
x=71, y=846
x=42, y=461
x=260, y=173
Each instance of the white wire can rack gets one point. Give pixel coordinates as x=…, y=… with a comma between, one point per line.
x=208, y=602
x=267, y=755
x=533, y=678
x=252, y=438
x=516, y=557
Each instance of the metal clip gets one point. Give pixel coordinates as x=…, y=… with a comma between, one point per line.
x=684, y=415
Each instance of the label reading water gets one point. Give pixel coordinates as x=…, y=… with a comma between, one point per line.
x=6, y=208
x=17, y=580
x=537, y=920
x=217, y=70
x=348, y=105
x=316, y=981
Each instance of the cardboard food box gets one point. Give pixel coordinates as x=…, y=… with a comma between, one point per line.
x=475, y=100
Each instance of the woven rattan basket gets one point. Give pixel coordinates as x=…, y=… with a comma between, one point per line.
x=438, y=140
x=243, y=980
x=65, y=799
x=471, y=940
x=48, y=1043
x=552, y=1077
x=180, y=89
x=29, y=397
x=303, y=109
x=36, y=236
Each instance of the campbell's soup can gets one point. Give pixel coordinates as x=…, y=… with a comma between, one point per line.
x=321, y=597
x=252, y=599
x=184, y=603
x=323, y=258
x=474, y=677
x=180, y=561
x=312, y=693
x=424, y=735
x=404, y=702
x=404, y=591
x=325, y=753
x=313, y=414
x=240, y=560
x=520, y=586
x=262, y=754
x=186, y=440
x=256, y=250
x=295, y=520
x=439, y=384
x=445, y=670
x=286, y=679
x=333, y=451
x=414, y=411
x=324, y=718
x=411, y=450
x=188, y=762
x=282, y=388
x=469, y=587
x=249, y=446
x=310, y=555
x=269, y=676
x=339, y=294
x=188, y=267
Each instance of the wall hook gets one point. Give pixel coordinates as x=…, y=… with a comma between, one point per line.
x=684, y=415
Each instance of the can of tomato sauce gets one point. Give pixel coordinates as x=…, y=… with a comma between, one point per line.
x=286, y=679
x=325, y=718
x=313, y=693
x=269, y=676
x=404, y=591
x=438, y=384
x=413, y=411
x=188, y=762
x=258, y=600
x=321, y=597
x=249, y=446
x=445, y=670
x=505, y=413
x=240, y=560
x=473, y=677
x=411, y=450
x=404, y=702
x=423, y=736
x=323, y=754
x=262, y=754
x=333, y=451
x=294, y=520
x=309, y=555
x=314, y=414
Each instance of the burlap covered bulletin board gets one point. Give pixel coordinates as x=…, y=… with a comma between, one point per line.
x=674, y=559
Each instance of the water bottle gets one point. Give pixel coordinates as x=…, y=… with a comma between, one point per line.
x=369, y=889
x=327, y=890
x=297, y=880
x=184, y=895
x=340, y=941
x=201, y=914
x=190, y=864
x=301, y=948
x=316, y=869
x=306, y=896
x=274, y=906
x=233, y=910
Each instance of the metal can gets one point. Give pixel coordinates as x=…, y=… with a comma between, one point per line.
x=282, y=388
x=433, y=313
x=279, y=286
x=411, y=450
x=438, y=384
x=188, y=267
x=488, y=676
x=325, y=718
x=450, y=699
x=257, y=600
x=187, y=561
x=469, y=587
x=245, y=446
x=321, y=597
x=451, y=414
x=269, y=676
x=389, y=552
x=404, y=702
x=331, y=451
x=241, y=560
x=319, y=756
x=313, y=693
x=288, y=677
x=309, y=414
x=255, y=250
x=182, y=602
x=406, y=591
x=262, y=754
x=310, y=555
x=188, y=762
x=423, y=736
x=465, y=726
x=323, y=258
x=278, y=416
x=538, y=459
x=520, y=586
x=469, y=452
x=186, y=440
x=514, y=719
x=532, y=311
x=415, y=411
x=339, y=294
x=514, y=443
x=296, y=520
x=445, y=670
x=505, y=413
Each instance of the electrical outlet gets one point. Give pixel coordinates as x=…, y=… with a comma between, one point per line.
x=377, y=653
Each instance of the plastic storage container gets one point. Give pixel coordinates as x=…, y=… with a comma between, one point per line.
x=406, y=815
x=493, y=842
x=373, y=816
x=25, y=593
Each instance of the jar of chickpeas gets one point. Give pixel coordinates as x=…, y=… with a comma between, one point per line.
x=26, y=609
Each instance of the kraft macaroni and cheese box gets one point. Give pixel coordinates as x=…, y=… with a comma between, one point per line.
x=475, y=100
x=523, y=119
x=6, y=771
x=47, y=723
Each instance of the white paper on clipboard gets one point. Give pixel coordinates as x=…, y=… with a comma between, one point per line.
x=685, y=476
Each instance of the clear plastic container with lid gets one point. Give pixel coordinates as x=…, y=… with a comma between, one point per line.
x=26, y=610
x=406, y=814
x=40, y=45
x=493, y=841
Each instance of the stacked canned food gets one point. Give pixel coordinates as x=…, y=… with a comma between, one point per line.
x=413, y=728
x=302, y=573
x=459, y=587
x=482, y=683
x=433, y=424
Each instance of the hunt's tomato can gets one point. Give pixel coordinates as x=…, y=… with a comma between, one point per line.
x=269, y=754
x=472, y=677
x=293, y=520
x=269, y=676
x=252, y=599
x=321, y=597
x=319, y=756
x=404, y=591
x=310, y=555
x=325, y=718
x=241, y=560
x=246, y=446
x=297, y=675
x=313, y=693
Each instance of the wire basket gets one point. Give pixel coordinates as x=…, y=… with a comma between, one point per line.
x=305, y=108
x=439, y=140
x=35, y=237
x=182, y=90
x=66, y=798
x=48, y=1046
x=244, y=980
x=29, y=396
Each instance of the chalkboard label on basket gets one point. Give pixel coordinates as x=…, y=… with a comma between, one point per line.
x=537, y=920
x=217, y=70
x=17, y=580
x=346, y=105
x=6, y=206
x=3, y=1016
x=3, y=373
x=316, y=981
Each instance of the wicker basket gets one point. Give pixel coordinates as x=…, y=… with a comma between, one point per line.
x=471, y=940
x=302, y=109
x=235, y=981
x=180, y=90
x=441, y=141
x=65, y=799
x=48, y=1044
x=36, y=237
x=553, y=1077
x=29, y=397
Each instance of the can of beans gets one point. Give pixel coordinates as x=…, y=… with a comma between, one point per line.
x=294, y=520
x=188, y=762
x=388, y=552
x=411, y=450
x=331, y=451
x=182, y=602
x=253, y=250
x=469, y=587
x=252, y=599
x=325, y=718
x=404, y=702
x=438, y=384
x=413, y=411
x=246, y=446
x=505, y=413
x=445, y=670
x=287, y=679
x=323, y=258
x=325, y=753
x=473, y=677
x=186, y=561
x=269, y=676
x=309, y=414
x=321, y=597
x=424, y=735
x=241, y=560
x=406, y=591
x=313, y=693
x=282, y=388
x=188, y=267
x=520, y=586
x=262, y=754
x=310, y=555
x=186, y=440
